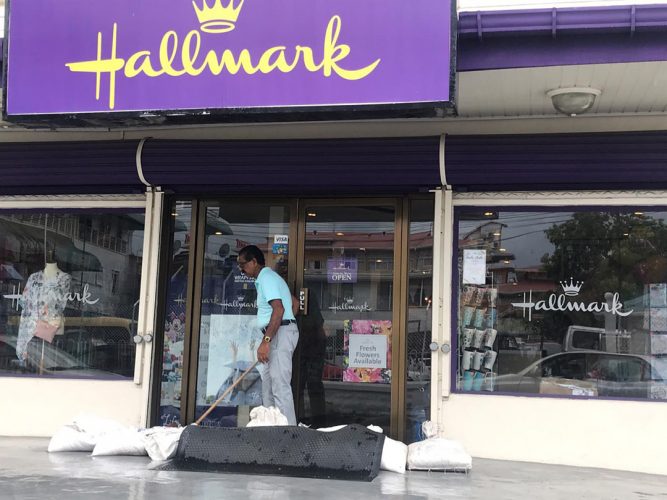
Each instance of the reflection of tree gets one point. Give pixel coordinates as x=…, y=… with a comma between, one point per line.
x=610, y=252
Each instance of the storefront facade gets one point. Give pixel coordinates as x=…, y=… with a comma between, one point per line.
x=508, y=287
x=558, y=360
x=554, y=320
x=334, y=216
x=74, y=269
x=130, y=262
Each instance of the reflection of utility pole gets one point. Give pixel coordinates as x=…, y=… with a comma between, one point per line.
x=610, y=333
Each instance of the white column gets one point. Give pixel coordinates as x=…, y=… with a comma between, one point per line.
x=146, y=327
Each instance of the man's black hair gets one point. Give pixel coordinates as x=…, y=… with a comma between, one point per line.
x=252, y=252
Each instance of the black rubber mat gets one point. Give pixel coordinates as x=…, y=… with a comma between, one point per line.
x=351, y=453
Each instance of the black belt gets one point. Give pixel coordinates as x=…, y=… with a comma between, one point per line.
x=284, y=322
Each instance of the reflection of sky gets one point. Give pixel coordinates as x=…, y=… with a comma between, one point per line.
x=525, y=237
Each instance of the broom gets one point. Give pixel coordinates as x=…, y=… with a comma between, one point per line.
x=162, y=442
x=224, y=394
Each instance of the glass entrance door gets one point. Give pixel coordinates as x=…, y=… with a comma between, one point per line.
x=348, y=328
x=226, y=335
x=360, y=312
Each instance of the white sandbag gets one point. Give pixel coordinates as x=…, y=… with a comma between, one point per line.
x=438, y=454
x=262, y=416
x=96, y=426
x=162, y=442
x=121, y=442
x=394, y=456
x=430, y=429
x=331, y=429
x=70, y=438
x=394, y=453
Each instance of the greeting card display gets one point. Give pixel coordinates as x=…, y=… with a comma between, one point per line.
x=655, y=317
x=477, y=337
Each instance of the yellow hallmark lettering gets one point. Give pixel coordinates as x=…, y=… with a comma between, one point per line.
x=193, y=63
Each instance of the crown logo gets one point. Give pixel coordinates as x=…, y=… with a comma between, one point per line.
x=571, y=289
x=218, y=19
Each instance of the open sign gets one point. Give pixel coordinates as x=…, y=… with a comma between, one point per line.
x=342, y=270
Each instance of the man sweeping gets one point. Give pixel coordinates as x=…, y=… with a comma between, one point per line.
x=280, y=333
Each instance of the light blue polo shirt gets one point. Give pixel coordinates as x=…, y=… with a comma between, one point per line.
x=271, y=286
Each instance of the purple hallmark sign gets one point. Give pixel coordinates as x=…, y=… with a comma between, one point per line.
x=131, y=56
x=342, y=270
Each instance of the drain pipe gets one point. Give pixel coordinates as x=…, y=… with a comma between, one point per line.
x=140, y=167
x=146, y=320
x=441, y=163
x=442, y=289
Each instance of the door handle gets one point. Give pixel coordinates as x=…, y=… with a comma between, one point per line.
x=445, y=348
x=148, y=338
x=303, y=301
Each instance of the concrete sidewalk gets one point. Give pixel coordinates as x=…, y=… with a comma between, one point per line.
x=27, y=471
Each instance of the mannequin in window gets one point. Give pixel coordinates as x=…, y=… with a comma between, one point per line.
x=43, y=304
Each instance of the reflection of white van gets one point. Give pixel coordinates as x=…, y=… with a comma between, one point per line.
x=588, y=338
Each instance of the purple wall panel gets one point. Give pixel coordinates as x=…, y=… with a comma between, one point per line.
x=540, y=51
x=627, y=18
x=556, y=37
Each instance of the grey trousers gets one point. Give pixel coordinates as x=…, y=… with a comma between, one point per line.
x=277, y=377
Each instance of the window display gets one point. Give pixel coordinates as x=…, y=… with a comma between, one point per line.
x=171, y=377
x=476, y=355
x=69, y=290
x=562, y=302
x=43, y=303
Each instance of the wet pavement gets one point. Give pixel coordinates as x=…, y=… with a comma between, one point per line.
x=27, y=471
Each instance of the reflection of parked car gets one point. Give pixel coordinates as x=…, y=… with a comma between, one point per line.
x=515, y=352
x=585, y=338
x=47, y=359
x=611, y=375
x=101, y=343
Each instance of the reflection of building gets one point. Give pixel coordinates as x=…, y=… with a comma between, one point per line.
x=488, y=236
x=373, y=257
x=421, y=269
x=517, y=280
x=95, y=251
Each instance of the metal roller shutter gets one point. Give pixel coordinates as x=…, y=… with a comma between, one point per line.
x=557, y=161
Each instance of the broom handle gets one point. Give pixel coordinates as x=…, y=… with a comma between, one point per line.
x=224, y=394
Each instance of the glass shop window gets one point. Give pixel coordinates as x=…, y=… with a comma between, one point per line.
x=562, y=302
x=59, y=317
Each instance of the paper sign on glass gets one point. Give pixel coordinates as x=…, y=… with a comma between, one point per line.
x=474, y=267
x=368, y=351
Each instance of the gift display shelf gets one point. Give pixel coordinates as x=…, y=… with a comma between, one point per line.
x=477, y=337
x=655, y=318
